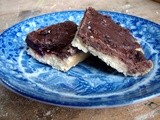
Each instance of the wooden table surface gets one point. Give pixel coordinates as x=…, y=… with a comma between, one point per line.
x=15, y=107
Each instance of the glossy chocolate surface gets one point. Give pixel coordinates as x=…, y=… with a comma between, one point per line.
x=55, y=39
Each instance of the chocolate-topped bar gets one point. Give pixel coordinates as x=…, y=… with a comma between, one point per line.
x=54, y=39
x=52, y=45
x=113, y=44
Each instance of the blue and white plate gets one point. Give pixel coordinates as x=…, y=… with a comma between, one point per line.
x=89, y=84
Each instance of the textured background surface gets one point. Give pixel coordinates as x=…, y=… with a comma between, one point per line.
x=14, y=107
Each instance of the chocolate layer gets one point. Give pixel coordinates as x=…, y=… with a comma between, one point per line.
x=55, y=39
x=103, y=34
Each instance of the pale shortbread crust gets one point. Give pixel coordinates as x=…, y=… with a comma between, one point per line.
x=57, y=63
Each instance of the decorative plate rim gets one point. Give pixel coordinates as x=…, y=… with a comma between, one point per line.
x=43, y=14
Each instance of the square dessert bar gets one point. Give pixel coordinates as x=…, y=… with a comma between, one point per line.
x=52, y=45
x=113, y=44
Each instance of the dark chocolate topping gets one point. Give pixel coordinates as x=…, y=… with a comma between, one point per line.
x=103, y=34
x=55, y=39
